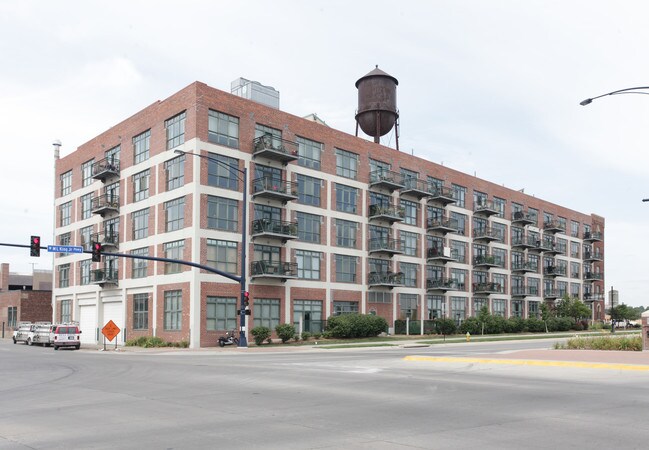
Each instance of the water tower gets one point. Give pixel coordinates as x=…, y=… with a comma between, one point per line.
x=377, y=105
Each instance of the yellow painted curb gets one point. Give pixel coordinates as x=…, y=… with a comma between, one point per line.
x=531, y=362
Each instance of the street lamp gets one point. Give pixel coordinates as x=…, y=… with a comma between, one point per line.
x=243, y=342
x=634, y=90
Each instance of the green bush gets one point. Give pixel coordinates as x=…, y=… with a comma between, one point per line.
x=355, y=326
x=306, y=335
x=471, y=325
x=624, y=343
x=285, y=332
x=260, y=334
x=514, y=325
x=494, y=325
x=148, y=342
x=317, y=335
x=535, y=325
x=446, y=326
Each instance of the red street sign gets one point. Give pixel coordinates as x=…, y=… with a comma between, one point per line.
x=110, y=330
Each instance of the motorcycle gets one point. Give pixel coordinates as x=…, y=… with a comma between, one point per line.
x=228, y=339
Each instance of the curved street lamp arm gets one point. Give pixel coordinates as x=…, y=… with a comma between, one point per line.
x=633, y=90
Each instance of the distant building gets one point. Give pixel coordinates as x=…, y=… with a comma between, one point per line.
x=24, y=298
x=338, y=224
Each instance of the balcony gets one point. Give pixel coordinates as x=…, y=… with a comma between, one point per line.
x=486, y=234
x=593, y=276
x=105, y=169
x=275, y=148
x=386, y=279
x=554, y=271
x=415, y=188
x=525, y=291
x=107, y=240
x=551, y=248
x=487, y=288
x=442, y=225
x=105, y=203
x=523, y=242
x=270, y=188
x=522, y=218
x=388, y=213
x=439, y=255
x=442, y=285
x=544, y=245
x=441, y=194
x=593, y=256
x=485, y=208
x=551, y=294
x=271, y=269
x=274, y=229
x=385, y=246
x=103, y=276
x=589, y=297
x=524, y=267
x=386, y=179
x=593, y=236
x=553, y=227
x=487, y=261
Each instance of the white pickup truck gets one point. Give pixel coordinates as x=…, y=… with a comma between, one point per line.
x=22, y=331
x=41, y=334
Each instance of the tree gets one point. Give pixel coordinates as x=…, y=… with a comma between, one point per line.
x=573, y=308
x=624, y=313
x=546, y=314
x=483, y=316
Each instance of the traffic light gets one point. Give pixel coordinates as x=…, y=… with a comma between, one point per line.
x=246, y=302
x=35, y=246
x=96, y=251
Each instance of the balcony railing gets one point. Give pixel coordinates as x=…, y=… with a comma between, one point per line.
x=277, y=229
x=441, y=194
x=523, y=241
x=273, y=269
x=386, y=212
x=554, y=226
x=386, y=179
x=523, y=218
x=442, y=225
x=593, y=256
x=551, y=293
x=593, y=276
x=385, y=245
x=386, y=279
x=439, y=254
x=487, y=261
x=554, y=271
x=105, y=168
x=275, y=148
x=486, y=208
x=105, y=239
x=544, y=245
x=268, y=187
x=593, y=297
x=105, y=203
x=525, y=266
x=486, y=234
x=442, y=284
x=104, y=276
x=592, y=236
x=524, y=291
x=415, y=187
x=487, y=288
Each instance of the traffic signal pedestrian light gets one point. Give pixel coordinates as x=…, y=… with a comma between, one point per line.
x=35, y=246
x=96, y=251
x=246, y=299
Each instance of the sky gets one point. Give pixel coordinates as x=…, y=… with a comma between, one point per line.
x=490, y=88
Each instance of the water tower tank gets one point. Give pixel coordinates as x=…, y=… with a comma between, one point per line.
x=377, y=103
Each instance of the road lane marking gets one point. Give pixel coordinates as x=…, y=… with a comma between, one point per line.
x=530, y=362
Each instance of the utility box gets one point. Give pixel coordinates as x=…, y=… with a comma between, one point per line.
x=645, y=331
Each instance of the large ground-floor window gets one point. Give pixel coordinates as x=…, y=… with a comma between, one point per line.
x=221, y=313
x=308, y=313
x=266, y=312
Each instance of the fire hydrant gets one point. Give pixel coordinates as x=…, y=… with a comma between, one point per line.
x=468, y=336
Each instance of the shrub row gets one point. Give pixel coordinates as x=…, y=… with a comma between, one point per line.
x=628, y=343
x=492, y=325
x=154, y=341
x=355, y=326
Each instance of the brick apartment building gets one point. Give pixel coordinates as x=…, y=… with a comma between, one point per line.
x=337, y=224
x=24, y=298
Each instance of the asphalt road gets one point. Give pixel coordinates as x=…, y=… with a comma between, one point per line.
x=352, y=398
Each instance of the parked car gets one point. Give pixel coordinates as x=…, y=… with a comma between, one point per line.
x=41, y=334
x=22, y=331
x=66, y=335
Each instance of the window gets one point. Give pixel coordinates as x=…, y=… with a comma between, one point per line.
x=345, y=308
x=410, y=274
x=86, y=173
x=517, y=308
x=378, y=265
x=175, y=130
x=140, y=223
x=346, y=164
x=66, y=311
x=409, y=243
x=273, y=134
x=501, y=282
x=499, y=308
x=533, y=286
x=533, y=215
x=346, y=233
x=500, y=230
x=436, y=306
x=139, y=266
x=266, y=312
x=378, y=169
x=222, y=255
x=308, y=227
x=460, y=219
x=408, y=306
x=458, y=251
x=561, y=221
x=224, y=173
x=175, y=214
x=346, y=198
x=574, y=290
x=140, y=311
x=112, y=154
x=574, y=228
x=458, y=309
x=84, y=269
x=223, y=129
x=479, y=199
x=500, y=256
x=141, y=185
x=308, y=190
x=64, y=275
x=409, y=178
x=173, y=310
x=66, y=239
x=533, y=309
x=12, y=316
x=222, y=213
x=85, y=236
x=459, y=278
x=266, y=253
x=66, y=214
x=478, y=304
x=574, y=249
x=575, y=270
x=175, y=169
x=141, y=145
x=66, y=183
x=499, y=204
x=379, y=297
x=309, y=153
x=308, y=264
x=221, y=313
x=307, y=315
x=459, y=193
x=345, y=269
x=547, y=218
x=86, y=206
x=410, y=212
x=173, y=250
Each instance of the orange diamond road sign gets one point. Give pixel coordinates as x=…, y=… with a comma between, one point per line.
x=110, y=330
